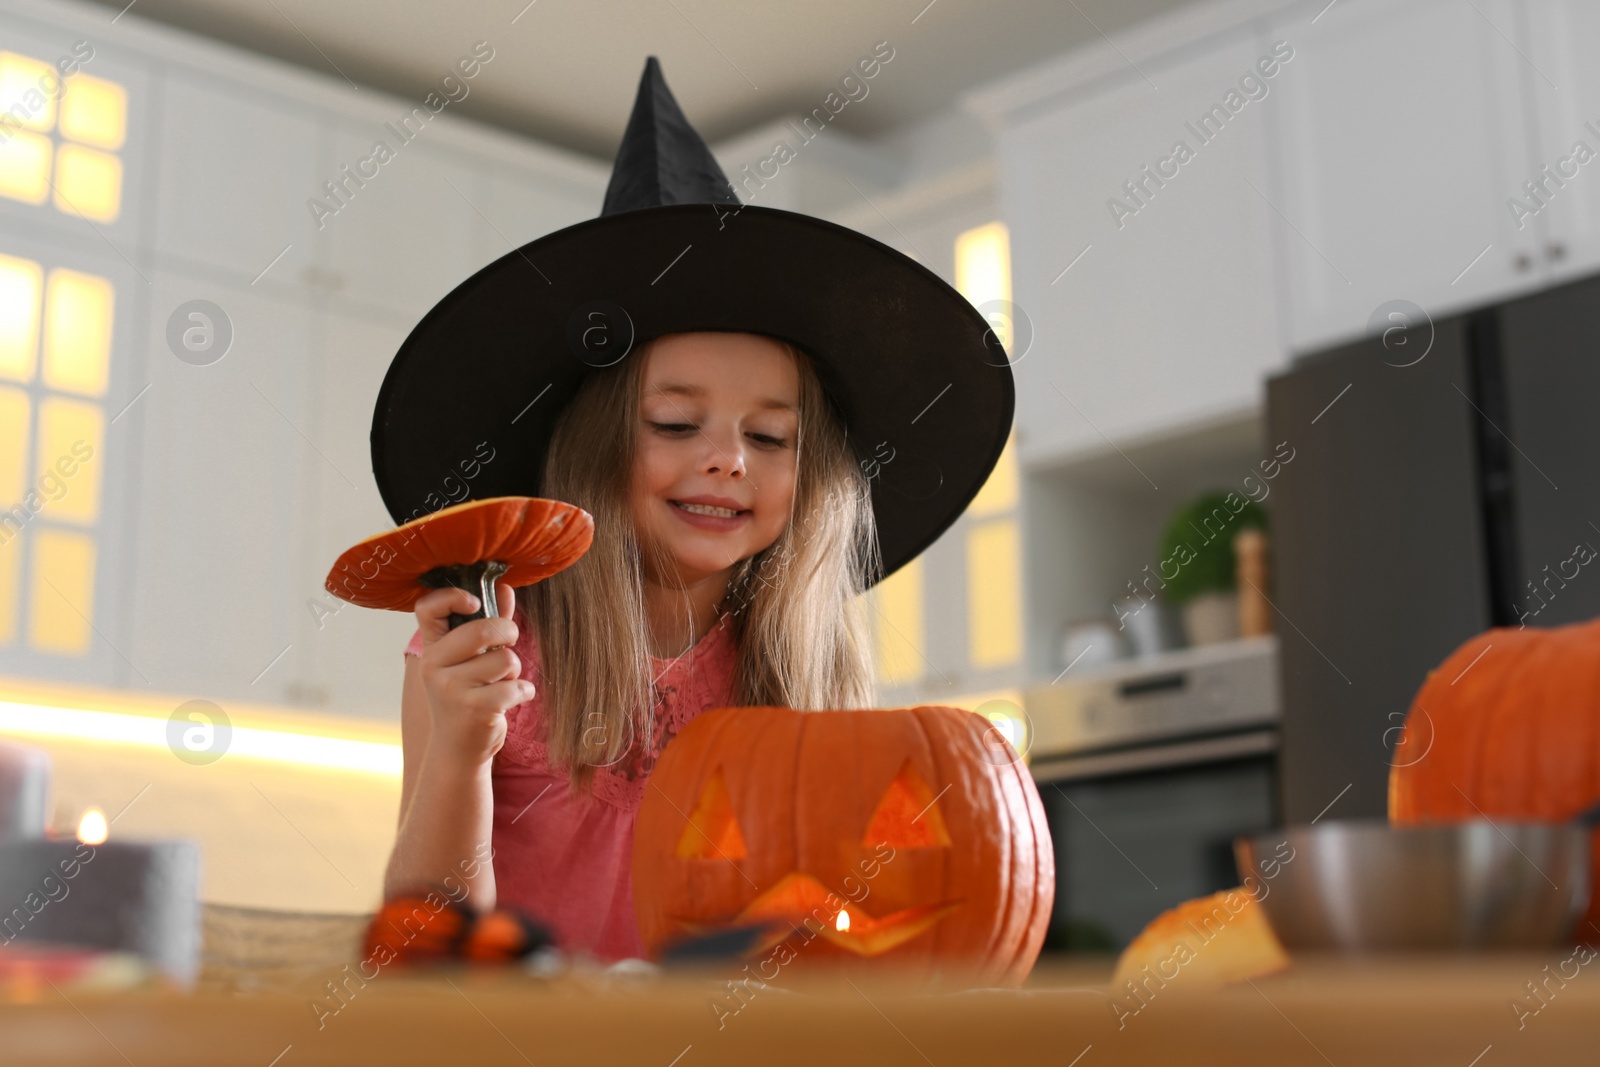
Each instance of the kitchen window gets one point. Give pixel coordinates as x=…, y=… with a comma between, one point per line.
x=59, y=138
x=55, y=358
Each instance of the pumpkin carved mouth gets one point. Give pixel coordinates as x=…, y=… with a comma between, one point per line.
x=799, y=898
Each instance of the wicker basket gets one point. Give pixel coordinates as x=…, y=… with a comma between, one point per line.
x=249, y=949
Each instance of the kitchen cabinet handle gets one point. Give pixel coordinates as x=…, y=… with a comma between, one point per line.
x=332, y=281
x=1555, y=251
x=1522, y=261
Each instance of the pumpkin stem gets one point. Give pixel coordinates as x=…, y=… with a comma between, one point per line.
x=477, y=579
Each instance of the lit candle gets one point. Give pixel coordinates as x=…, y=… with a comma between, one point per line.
x=93, y=828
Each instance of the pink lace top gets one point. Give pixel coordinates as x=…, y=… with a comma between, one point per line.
x=558, y=856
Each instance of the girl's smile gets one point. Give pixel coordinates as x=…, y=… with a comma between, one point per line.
x=712, y=512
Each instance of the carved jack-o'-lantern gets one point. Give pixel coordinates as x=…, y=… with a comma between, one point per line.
x=912, y=837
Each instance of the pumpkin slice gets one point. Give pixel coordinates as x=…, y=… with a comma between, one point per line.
x=1203, y=943
x=516, y=539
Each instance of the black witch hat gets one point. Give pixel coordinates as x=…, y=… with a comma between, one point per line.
x=923, y=386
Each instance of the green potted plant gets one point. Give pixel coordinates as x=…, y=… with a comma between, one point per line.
x=1197, y=562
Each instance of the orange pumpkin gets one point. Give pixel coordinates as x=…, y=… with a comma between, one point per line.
x=1508, y=727
x=911, y=838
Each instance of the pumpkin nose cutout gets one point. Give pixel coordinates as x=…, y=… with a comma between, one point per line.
x=712, y=831
x=907, y=815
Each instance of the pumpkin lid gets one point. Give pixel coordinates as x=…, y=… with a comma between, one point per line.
x=529, y=537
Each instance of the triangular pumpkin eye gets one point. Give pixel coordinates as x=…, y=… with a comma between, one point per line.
x=907, y=815
x=712, y=831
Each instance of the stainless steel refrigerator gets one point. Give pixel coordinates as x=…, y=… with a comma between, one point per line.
x=1446, y=479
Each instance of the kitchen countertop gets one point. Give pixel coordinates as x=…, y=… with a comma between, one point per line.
x=1454, y=1011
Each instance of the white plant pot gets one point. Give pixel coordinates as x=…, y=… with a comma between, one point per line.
x=1211, y=617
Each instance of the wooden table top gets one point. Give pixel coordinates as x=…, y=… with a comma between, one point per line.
x=1455, y=1011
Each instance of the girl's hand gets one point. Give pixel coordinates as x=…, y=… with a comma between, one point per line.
x=471, y=681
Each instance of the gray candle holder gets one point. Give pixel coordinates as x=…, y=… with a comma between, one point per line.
x=24, y=791
x=136, y=897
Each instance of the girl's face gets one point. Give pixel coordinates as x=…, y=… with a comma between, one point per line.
x=714, y=471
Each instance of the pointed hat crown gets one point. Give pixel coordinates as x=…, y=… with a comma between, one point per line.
x=662, y=159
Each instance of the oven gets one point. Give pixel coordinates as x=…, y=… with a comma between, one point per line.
x=1148, y=771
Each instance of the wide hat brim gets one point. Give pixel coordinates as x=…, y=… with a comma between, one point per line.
x=925, y=390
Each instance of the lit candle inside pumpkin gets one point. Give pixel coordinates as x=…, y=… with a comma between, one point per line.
x=842, y=923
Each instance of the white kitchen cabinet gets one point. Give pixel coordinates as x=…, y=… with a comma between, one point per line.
x=518, y=206
x=430, y=217
x=1401, y=130
x=222, y=498
x=1562, y=84
x=351, y=662
x=236, y=168
x=1162, y=311
x=403, y=237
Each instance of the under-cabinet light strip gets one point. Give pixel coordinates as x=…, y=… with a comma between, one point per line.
x=245, y=742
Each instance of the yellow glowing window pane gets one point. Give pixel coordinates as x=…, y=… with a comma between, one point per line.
x=994, y=594
x=67, y=461
x=983, y=271
x=10, y=571
x=77, y=331
x=24, y=167
x=95, y=112
x=28, y=90
x=88, y=183
x=14, y=411
x=13, y=480
x=20, y=283
x=897, y=625
x=999, y=493
x=61, y=595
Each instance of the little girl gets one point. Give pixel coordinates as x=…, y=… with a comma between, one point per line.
x=808, y=411
x=730, y=529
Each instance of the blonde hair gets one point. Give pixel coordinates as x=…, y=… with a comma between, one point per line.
x=796, y=609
